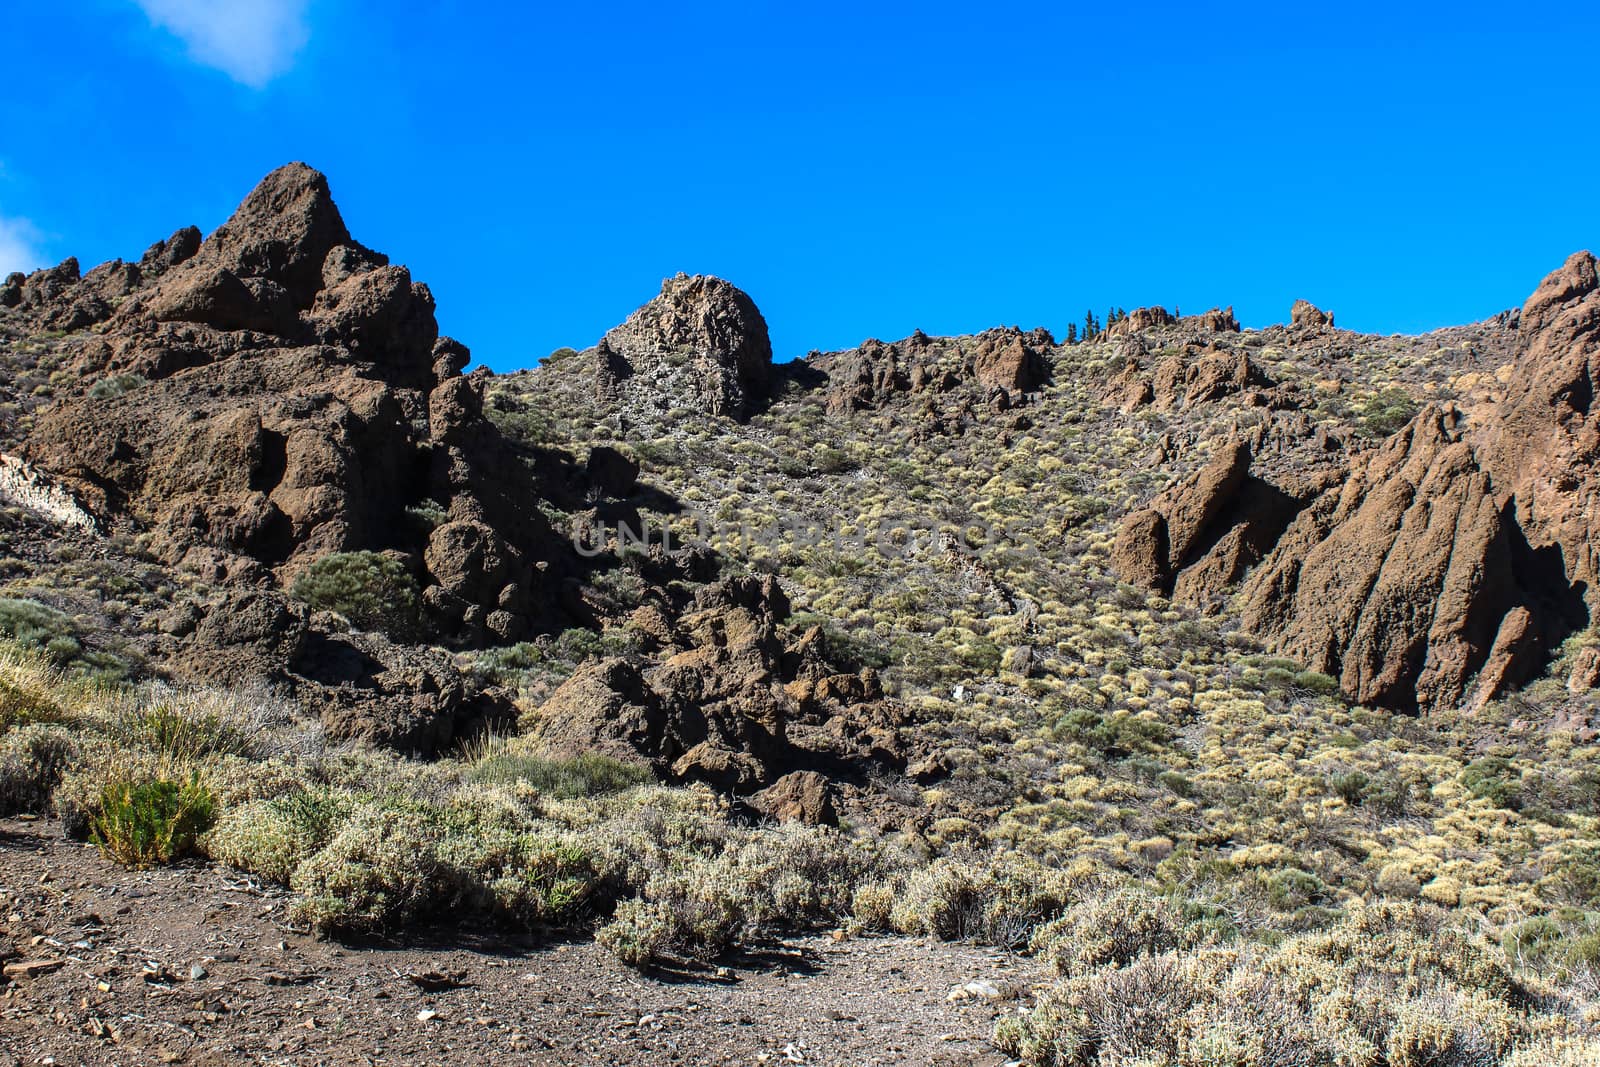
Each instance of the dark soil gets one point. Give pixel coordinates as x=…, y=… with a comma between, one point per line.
x=199, y=964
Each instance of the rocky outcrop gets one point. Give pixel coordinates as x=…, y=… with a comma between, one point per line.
x=362, y=686
x=1010, y=361
x=728, y=701
x=1194, y=375
x=1307, y=315
x=1543, y=445
x=1397, y=581
x=1000, y=366
x=22, y=485
x=292, y=397
x=1447, y=564
x=1197, y=538
x=1461, y=553
x=1139, y=320
x=700, y=344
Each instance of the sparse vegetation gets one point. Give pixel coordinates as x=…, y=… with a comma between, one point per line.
x=141, y=823
x=373, y=591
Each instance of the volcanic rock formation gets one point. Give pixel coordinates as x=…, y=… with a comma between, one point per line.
x=1446, y=564
x=999, y=366
x=700, y=344
x=283, y=393
x=726, y=701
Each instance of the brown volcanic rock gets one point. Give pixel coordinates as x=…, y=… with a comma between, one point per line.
x=295, y=407
x=701, y=343
x=1396, y=582
x=1196, y=376
x=1305, y=313
x=1446, y=564
x=282, y=231
x=866, y=378
x=729, y=704
x=1544, y=446
x=1005, y=364
x=1141, y=553
x=1218, y=321
x=1140, y=319
x=1195, y=504
x=1199, y=537
x=1010, y=360
x=799, y=796
x=1456, y=551
x=363, y=686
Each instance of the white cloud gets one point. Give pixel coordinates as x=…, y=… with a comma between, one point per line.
x=19, y=246
x=252, y=41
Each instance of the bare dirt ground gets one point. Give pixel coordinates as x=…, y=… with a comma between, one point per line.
x=198, y=964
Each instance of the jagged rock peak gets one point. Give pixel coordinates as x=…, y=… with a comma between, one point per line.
x=1441, y=568
x=283, y=231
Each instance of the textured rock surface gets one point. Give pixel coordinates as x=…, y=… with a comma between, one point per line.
x=293, y=399
x=701, y=343
x=1003, y=364
x=1305, y=313
x=1448, y=563
x=728, y=703
x=362, y=686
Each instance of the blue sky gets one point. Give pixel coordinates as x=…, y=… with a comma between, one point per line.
x=861, y=170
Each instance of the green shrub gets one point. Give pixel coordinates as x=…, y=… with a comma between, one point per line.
x=20, y=706
x=271, y=838
x=1493, y=778
x=1114, y=736
x=1293, y=889
x=116, y=385
x=380, y=871
x=373, y=591
x=1114, y=928
x=37, y=626
x=1387, y=411
x=999, y=902
x=1351, y=787
x=585, y=775
x=188, y=737
x=143, y=823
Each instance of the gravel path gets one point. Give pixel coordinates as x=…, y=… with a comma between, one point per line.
x=198, y=965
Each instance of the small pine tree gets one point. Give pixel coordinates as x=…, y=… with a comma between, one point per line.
x=1072, y=333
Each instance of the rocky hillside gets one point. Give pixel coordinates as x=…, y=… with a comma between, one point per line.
x=1254, y=641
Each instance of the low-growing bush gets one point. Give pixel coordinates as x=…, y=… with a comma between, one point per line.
x=373, y=591
x=1113, y=928
x=1494, y=779
x=116, y=385
x=380, y=871
x=997, y=901
x=32, y=761
x=271, y=838
x=187, y=736
x=143, y=823
x=586, y=775
x=1389, y=985
x=1113, y=736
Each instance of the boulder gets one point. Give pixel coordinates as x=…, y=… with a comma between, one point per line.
x=1308, y=315
x=701, y=344
x=1006, y=360
x=800, y=796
